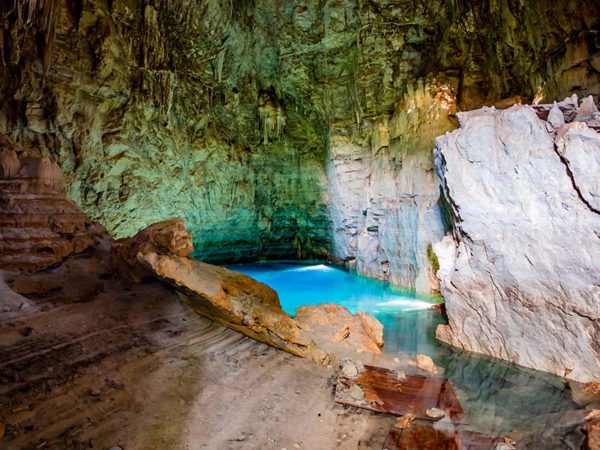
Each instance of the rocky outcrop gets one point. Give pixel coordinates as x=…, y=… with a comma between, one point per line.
x=48, y=246
x=39, y=227
x=332, y=326
x=167, y=237
x=520, y=278
x=239, y=302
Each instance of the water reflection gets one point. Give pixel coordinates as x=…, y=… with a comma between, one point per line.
x=498, y=398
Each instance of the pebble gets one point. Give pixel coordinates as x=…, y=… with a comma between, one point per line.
x=404, y=421
x=425, y=363
x=356, y=392
x=435, y=413
x=349, y=369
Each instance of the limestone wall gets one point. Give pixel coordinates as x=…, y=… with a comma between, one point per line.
x=231, y=113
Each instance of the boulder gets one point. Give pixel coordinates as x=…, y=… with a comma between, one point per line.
x=167, y=237
x=521, y=281
x=333, y=326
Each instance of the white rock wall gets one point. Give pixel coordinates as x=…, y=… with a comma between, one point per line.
x=522, y=282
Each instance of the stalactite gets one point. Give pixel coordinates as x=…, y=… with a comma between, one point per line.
x=22, y=20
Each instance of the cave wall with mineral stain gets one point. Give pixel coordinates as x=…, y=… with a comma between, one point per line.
x=248, y=117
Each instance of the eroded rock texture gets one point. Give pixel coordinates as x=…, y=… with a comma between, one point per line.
x=235, y=114
x=521, y=282
x=319, y=332
x=48, y=245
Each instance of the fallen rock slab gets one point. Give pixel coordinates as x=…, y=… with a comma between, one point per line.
x=319, y=332
x=385, y=390
x=235, y=301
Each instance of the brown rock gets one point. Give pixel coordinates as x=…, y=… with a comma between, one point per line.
x=404, y=421
x=39, y=227
x=592, y=387
x=9, y=164
x=426, y=364
x=168, y=237
x=336, y=329
x=592, y=429
x=235, y=301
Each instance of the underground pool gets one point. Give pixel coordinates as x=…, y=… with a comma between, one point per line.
x=498, y=398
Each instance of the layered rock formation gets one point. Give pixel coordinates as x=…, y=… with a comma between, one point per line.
x=521, y=278
x=46, y=241
x=319, y=332
x=227, y=113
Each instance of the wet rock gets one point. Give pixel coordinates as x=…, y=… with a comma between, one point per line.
x=435, y=413
x=511, y=290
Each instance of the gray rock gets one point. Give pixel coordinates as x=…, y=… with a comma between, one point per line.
x=522, y=281
x=356, y=392
x=555, y=116
x=587, y=109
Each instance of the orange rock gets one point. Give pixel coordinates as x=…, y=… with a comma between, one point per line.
x=592, y=429
x=335, y=326
x=167, y=237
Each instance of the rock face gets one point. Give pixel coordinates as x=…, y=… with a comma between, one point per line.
x=229, y=116
x=384, y=194
x=320, y=332
x=39, y=227
x=46, y=241
x=521, y=280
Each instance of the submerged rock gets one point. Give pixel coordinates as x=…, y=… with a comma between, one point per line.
x=522, y=281
x=426, y=364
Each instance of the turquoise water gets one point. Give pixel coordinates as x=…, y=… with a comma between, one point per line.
x=498, y=398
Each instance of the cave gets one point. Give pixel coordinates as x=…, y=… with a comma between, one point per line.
x=275, y=224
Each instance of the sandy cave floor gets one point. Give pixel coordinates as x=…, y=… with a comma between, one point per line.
x=138, y=369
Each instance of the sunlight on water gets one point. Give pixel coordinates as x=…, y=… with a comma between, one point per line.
x=500, y=397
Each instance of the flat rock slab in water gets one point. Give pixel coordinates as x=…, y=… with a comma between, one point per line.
x=423, y=436
x=386, y=391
